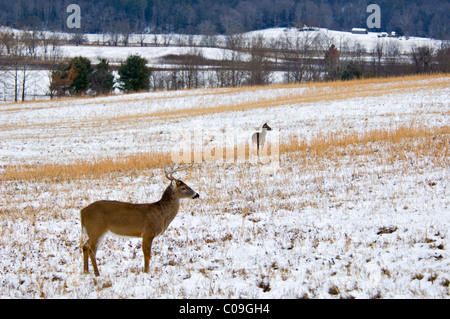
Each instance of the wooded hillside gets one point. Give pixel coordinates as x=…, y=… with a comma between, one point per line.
x=418, y=18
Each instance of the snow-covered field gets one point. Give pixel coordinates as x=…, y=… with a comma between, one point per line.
x=344, y=40
x=350, y=223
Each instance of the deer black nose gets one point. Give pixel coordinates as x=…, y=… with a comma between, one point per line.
x=196, y=196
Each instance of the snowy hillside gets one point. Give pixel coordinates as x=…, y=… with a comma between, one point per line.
x=159, y=46
x=358, y=208
x=343, y=40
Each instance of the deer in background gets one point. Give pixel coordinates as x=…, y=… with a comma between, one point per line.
x=259, y=138
x=132, y=220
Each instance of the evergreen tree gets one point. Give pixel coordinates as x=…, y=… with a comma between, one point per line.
x=134, y=74
x=351, y=71
x=83, y=69
x=102, y=79
x=62, y=79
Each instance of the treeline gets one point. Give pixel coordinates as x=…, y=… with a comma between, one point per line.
x=418, y=18
x=22, y=53
x=19, y=52
x=256, y=61
x=310, y=56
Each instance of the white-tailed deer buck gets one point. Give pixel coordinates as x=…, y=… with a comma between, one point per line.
x=132, y=220
x=259, y=138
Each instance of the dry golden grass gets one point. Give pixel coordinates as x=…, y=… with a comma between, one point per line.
x=321, y=143
x=398, y=143
x=314, y=92
x=413, y=138
x=407, y=143
x=400, y=80
x=95, y=167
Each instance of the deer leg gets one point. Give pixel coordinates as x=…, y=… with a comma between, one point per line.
x=86, y=257
x=147, y=249
x=257, y=144
x=92, y=252
x=94, y=262
x=90, y=248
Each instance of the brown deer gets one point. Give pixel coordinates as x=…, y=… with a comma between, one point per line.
x=132, y=220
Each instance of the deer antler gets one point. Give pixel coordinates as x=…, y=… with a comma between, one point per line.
x=169, y=172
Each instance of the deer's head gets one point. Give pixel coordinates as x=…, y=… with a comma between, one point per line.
x=179, y=188
x=267, y=127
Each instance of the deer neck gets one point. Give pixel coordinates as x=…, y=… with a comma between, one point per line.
x=169, y=198
x=169, y=203
x=168, y=207
x=263, y=134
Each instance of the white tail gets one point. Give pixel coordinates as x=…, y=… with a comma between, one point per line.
x=132, y=220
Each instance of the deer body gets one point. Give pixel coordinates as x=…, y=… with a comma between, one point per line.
x=259, y=138
x=132, y=220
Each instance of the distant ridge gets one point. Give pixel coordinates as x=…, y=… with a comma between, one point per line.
x=409, y=18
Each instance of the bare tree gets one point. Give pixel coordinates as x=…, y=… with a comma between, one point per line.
x=125, y=31
x=377, y=53
x=31, y=42
x=155, y=40
x=54, y=41
x=114, y=35
x=142, y=37
x=31, y=50
x=231, y=71
x=297, y=54
x=208, y=30
x=190, y=72
x=54, y=56
x=258, y=64
x=392, y=54
x=443, y=58
x=167, y=39
x=7, y=40
x=423, y=57
x=17, y=63
x=78, y=38
x=323, y=41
